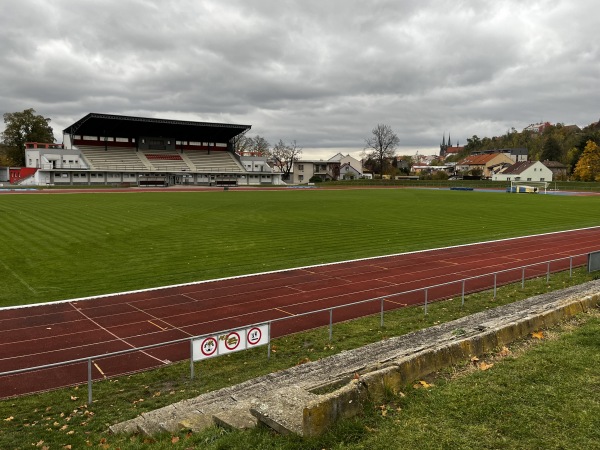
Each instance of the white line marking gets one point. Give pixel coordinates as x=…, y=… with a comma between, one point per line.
x=113, y=334
x=158, y=318
x=14, y=274
x=114, y=294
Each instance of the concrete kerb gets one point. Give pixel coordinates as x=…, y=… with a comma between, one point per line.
x=309, y=398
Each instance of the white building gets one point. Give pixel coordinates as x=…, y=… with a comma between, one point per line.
x=524, y=171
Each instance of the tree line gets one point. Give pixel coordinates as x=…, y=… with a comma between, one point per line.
x=564, y=144
x=578, y=149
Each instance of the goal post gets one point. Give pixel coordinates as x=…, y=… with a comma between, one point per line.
x=528, y=187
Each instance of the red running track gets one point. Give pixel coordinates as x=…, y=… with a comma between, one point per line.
x=64, y=331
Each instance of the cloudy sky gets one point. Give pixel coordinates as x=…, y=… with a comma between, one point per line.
x=323, y=73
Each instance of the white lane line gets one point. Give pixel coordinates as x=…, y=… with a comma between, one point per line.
x=306, y=268
x=158, y=318
x=16, y=275
x=117, y=337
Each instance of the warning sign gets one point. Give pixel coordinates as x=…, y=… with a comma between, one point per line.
x=229, y=342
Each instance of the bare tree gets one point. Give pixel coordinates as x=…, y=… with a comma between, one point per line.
x=381, y=147
x=255, y=146
x=284, y=155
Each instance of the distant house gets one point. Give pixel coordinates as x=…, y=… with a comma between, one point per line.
x=347, y=172
x=484, y=163
x=559, y=170
x=516, y=154
x=525, y=171
x=304, y=170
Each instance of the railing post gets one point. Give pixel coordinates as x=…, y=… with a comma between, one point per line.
x=523, y=279
x=89, y=381
x=269, y=345
x=462, y=301
x=548, y=273
x=495, y=274
x=381, y=322
x=191, y=359
x=570, y=266
x=426, y=292
x=330, y=324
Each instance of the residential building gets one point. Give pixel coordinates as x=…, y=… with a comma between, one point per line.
x=336, y=167
x=559, y=170
x=486, y=164
x=525, y=171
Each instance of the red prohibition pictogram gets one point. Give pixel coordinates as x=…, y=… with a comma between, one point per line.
x=209, y=346
x=232, y=341
x=254, y=336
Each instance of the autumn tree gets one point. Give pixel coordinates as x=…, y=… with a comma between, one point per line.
x=21, y=127
x=588, y=166
x=284, y=155
x=381, y=147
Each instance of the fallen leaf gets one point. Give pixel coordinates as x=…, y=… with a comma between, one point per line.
x=70, y=432
x=504, y=351
x=74, y=398
x=68, y=447
x=425, y=384
x=174, y=439
x=64, y=427
x=537, y=335
x=8, y=419
x=474, y=359
x=484, y=366
x=39, y=444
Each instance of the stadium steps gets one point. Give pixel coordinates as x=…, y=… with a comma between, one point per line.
x=221, y=161
x=122, y=158
x=167, y=161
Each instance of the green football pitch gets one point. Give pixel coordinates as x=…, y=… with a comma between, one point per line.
x=55, y=247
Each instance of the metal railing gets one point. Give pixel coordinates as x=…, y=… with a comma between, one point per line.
x=424, y=293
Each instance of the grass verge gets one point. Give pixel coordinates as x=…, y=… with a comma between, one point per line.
x=60, y=419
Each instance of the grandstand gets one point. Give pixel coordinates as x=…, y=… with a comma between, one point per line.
x=113, y=150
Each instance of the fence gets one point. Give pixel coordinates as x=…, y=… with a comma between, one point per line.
x=377, y=305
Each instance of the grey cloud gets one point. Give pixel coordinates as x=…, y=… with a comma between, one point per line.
x=321, y=72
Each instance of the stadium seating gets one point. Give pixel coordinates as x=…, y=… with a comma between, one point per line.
x=167, y=161
x=221, y=161
x=116, y=158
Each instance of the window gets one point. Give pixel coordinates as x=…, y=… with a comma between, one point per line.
x=528, y=179
x=301, y=167
x=300, y=177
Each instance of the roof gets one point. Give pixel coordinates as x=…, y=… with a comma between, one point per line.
x=478, y=160
x=519, y=167
x=95, y=124
x=554, y=164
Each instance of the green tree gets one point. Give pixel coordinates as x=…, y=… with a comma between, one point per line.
x=382, y=145
x=21, y=127
x=588, y=166
x=551, y=150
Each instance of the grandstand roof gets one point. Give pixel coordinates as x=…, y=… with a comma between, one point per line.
x=95, y=124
